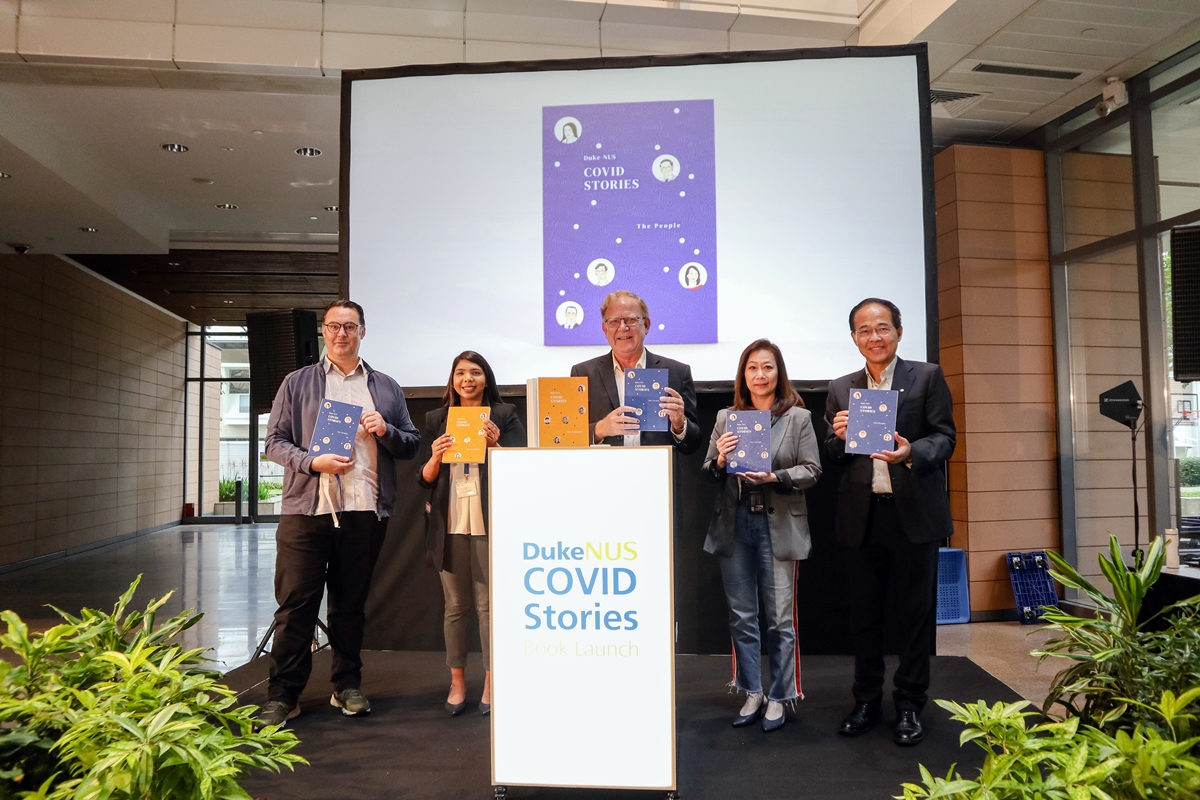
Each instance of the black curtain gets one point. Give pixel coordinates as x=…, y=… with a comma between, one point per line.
x=404, y=610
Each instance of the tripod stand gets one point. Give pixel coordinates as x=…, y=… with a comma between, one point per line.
x=316, y=645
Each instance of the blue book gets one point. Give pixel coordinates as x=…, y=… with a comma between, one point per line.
x=337, y=424
x=872, y=424
x=753, y=451
x=644, y=389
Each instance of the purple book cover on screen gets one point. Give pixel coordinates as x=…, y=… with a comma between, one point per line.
x=629, y=202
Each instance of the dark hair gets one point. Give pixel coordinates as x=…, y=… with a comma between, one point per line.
x=785, y=395
x=342, y=302
x=491, y=395
x=878, y=301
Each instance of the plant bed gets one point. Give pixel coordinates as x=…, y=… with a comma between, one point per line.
x=106, y=706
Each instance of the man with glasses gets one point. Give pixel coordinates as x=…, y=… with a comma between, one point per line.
x=625, y=319
x=892, y=512
x=335, y=512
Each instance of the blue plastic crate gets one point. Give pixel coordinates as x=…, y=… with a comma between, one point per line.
x=953, y=593
x=1032, y=585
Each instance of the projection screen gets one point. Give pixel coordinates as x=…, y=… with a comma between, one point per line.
x=491, y=207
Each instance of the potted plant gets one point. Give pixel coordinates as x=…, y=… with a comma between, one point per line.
x=1118, y=721
x=106, y=705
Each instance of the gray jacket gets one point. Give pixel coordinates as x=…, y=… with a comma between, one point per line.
x=290, y=429
x=796, y=461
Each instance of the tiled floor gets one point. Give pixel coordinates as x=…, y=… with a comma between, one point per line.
x=227, y=571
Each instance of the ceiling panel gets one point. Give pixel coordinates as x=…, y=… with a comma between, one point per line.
x=1094, y=15
x=221, y=286
x=1066, y=44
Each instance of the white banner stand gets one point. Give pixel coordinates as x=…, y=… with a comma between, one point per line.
x=583, y=644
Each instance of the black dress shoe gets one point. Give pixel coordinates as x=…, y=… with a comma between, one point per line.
x=454, y=709
x=742, y=720
x=908, y=728
x=860, y=720
x=769, y=725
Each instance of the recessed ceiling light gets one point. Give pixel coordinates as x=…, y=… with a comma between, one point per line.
x=172, y=263
x=227, y=149
x=226, y=206
x=175, y=147
x=312, y=217
x=228, y=302
x=257, y=133
x=4, y=175
x=332, y=208
x=310, y=152
x=88, y=230
x=202, y=181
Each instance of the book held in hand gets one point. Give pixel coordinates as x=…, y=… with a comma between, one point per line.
x=337, y=425
x=557, y=412
x=753, y=451
x=466, y=425
x=871, y=427
x=644, y=388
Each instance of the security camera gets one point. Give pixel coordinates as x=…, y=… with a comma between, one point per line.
x=1112, y=98
x=19, y=249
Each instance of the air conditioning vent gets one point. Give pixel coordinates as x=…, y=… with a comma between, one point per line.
x=1027, y=72
x=946, y=104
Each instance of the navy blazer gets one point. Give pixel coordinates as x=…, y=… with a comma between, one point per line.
x=924, y=416
x=603, y=398
x=437, y=509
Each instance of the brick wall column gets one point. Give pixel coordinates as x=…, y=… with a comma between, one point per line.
x=997, y=352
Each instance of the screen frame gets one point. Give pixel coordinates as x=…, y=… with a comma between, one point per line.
x=918, y=50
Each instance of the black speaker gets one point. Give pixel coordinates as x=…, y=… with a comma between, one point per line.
x=279, y=342
x=1185, y=302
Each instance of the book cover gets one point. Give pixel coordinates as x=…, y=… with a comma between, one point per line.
x=629, y=202
x=558, y=412
x=337, y=425
x=872, y=422
x=465, y=424
x=643, y=390
x=753, y=451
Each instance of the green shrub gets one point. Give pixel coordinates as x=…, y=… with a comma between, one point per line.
x=227, y=490
x=1189, y=471
x=1119, y=665
x=269, y=489
x=1062, y=761
x=106, y=707
x=1122, y=732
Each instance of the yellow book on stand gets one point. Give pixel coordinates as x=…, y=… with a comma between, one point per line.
x=465, y=424
x=557, y=412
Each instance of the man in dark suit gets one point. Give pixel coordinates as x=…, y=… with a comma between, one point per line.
x=625, y=319
x=893, y=510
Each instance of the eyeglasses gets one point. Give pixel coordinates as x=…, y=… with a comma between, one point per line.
x=614, y=323
x=881, y=331
x=335, y=328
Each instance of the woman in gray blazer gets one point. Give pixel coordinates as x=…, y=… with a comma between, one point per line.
x=759, y=531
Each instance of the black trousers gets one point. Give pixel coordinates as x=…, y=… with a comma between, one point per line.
x=310, y=553
x=888, y=560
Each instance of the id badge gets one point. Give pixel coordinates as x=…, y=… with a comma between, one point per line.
x=467, y=488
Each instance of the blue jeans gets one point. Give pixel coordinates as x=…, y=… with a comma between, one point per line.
x=752, y=570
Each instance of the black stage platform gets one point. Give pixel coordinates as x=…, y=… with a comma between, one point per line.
x=411, y=748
